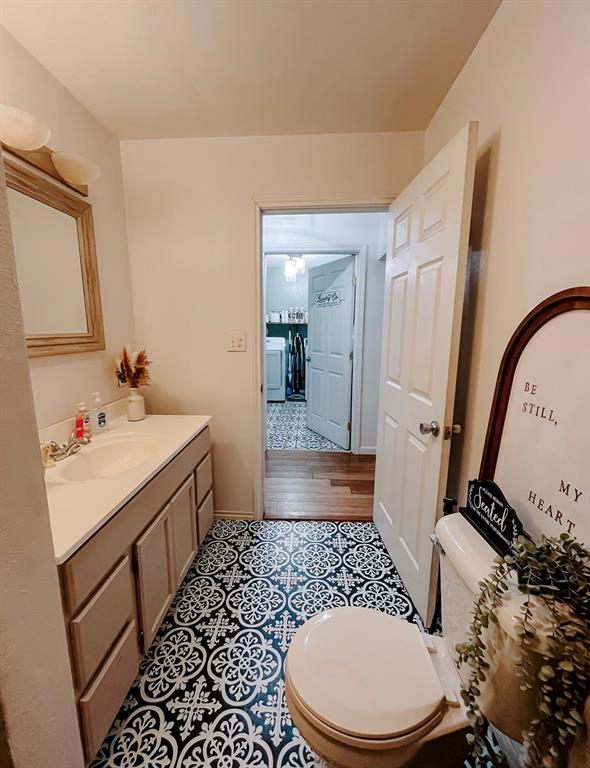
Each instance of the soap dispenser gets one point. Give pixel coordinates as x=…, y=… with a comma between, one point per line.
x=98, y=416
x=82, y=427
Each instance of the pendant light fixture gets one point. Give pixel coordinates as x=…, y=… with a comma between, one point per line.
x=300, y=262
x=290, y=270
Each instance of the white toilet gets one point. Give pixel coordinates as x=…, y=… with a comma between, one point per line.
x=367, y=690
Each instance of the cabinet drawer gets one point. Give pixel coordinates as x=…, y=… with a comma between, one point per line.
x=205, y=516
x=94, y=630
x=204, y=473
x=101, y=702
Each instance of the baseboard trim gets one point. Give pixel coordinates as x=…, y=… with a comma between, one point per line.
x=233, y=514
x=294, y=516
x=368, y=450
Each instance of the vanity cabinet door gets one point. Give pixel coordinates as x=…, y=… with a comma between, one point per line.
x=205, y=516
x=184, y=528
x=154, y=555
x=204, y=475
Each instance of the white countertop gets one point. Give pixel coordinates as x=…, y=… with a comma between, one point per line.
x=77, y=509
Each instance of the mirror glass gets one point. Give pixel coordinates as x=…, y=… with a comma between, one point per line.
x=48, y=267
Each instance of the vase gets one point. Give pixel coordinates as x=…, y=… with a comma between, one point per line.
x=135, y=405
x=501, y=700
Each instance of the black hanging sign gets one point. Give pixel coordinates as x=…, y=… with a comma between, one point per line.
x=490, y=513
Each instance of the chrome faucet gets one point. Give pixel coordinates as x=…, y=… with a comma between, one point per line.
x=52, y=451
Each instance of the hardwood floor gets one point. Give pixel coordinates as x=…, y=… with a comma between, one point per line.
x=318, y=485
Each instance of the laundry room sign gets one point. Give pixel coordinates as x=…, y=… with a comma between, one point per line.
x=328, y=298
x=538, y=446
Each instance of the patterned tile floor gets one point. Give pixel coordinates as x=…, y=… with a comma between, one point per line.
x=210, y=691
x=286, y=429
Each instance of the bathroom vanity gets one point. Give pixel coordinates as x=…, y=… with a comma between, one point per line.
x=128, y=513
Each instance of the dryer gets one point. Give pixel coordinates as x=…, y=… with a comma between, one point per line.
x=276, y=368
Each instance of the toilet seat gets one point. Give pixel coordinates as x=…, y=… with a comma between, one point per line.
x=364, y=678
x=362, y=742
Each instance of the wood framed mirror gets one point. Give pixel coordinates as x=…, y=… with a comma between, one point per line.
x=537, y=445
x=53, y=234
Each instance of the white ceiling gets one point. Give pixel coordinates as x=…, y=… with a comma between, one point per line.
x=173, y=68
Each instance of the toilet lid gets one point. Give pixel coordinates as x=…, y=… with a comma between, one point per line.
x=364, y=673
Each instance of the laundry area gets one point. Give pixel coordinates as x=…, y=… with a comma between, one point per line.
x=323, y=301
x=287, y=353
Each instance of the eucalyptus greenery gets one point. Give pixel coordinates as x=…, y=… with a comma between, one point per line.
x=553, y=574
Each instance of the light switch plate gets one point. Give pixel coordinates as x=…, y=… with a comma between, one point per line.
x=237, y=341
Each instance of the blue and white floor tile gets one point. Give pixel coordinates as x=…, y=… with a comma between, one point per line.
x=286, y=429
x=210, y=691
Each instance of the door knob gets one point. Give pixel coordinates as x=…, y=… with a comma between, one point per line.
x=430, y=429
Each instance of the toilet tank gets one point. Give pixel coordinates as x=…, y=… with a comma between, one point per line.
x=465, y=560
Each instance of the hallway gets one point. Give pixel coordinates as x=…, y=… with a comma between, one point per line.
x=318, y=485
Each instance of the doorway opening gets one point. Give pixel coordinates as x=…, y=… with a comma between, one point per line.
x=309, y=351
x=322, y=310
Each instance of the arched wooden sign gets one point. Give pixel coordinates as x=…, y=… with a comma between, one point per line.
x=537, y=445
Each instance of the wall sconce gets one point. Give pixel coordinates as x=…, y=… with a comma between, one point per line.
x=74, y=168
x=26, y=134
x=21, y=130
x=290, y=270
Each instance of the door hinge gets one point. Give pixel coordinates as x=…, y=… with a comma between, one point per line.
x=351, y=355
x=348, y=426
x=354, y=280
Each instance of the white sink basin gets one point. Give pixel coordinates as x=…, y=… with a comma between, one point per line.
x=87, y=489
x=107, y=457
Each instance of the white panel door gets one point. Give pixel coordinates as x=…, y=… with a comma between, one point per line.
x=329, y=349
x=424, y=283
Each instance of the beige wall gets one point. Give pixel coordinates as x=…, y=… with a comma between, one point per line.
x=60, y=382
x=527, y=85
x=191, y=227
x=37, y=708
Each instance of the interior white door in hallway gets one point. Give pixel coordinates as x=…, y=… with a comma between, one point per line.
x=330, y=341
x=424, y=285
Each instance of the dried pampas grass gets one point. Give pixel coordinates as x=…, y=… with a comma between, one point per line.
x=135, y=373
